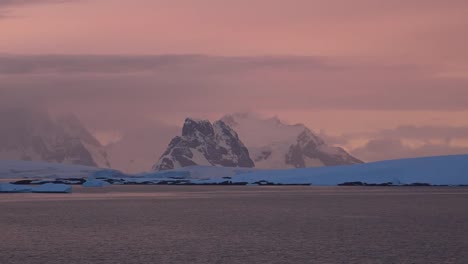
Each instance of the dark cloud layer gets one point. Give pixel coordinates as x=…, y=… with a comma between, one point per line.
x=209, y=83
x=7, y=5
x=112, y=64
x=10, y=3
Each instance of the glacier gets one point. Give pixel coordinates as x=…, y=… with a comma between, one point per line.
x=438, y=170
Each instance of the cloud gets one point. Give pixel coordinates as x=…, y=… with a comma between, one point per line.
x=109, y=64
x=428, y=31
x=187, y=83
x=384, y=149
x=140, y=147
x=411, y=132
x=7, y=5
x=119, y=94
x=405, y=141
x=424, y=132
x=10, y=3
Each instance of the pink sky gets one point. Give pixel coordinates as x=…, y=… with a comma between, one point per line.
x=359, y=66
x=413, y=29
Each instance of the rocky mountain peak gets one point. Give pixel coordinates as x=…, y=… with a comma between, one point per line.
x=223, y=130
x=307, y=138
x=204, y=143
x=277, y=145
x=192, y=127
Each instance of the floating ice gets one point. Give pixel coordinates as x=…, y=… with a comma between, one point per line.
x=44, y=188
x=8, y=187
x=52, y=188
x=90, y=182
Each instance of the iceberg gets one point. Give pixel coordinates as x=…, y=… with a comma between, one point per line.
x=95, y=183
x=13, y=188
x=44, y=188
x=52, y=188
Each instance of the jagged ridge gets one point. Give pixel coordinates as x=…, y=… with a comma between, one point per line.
x=275, y=145
x=203, y=143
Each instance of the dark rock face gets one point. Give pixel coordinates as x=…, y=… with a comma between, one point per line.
x=263, y=155
x=203, y=143
x=310, y=146
x=192, y=127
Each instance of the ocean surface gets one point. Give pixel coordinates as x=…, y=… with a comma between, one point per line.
x=236, y=224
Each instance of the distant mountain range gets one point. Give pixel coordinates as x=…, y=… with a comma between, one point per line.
x=269, y=144
x=275, y=145
x=35, y=136
x=236, y=140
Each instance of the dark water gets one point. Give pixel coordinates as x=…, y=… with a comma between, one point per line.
x=243, y=224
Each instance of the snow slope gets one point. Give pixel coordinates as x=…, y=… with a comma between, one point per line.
x=19, y=169
x=198, y=172
x=440, y=170
x=273, y=144
x=257, y=132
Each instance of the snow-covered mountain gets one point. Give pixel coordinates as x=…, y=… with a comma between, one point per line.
x=203, y=143
x=27, y=134
x=275, y=145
